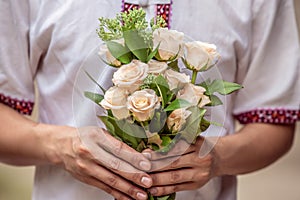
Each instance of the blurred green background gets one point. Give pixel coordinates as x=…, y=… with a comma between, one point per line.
x=276, y=182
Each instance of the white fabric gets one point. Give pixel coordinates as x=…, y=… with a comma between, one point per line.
x=56, y=41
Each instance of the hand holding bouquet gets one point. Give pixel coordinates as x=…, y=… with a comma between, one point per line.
x=152, y=104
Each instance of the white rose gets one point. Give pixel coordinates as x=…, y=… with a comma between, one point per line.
x=143, y=103
x=131, y=76
x=201, y=56
x=194, y=94
x=169, y=41
x=110, y=59
x=156, y=67
x=177, y=119
x=176, y=79
x=115, y=99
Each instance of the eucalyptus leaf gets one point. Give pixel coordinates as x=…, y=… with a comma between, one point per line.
x=178, y=103
x=136, y=44
x=153, y=53
x=192, y=126
x=215, y=101
x=109, y=126
x=163, y=88
x=174, y=65
x=220, y=86
x=96, y=98
x=101, y=88
x=158, y=121
x=119, y=51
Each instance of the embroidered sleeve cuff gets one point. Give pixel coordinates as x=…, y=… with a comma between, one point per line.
x=21, y=106
x=273, y=116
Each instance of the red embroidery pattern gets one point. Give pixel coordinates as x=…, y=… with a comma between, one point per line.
x=127, y=6
x=164, y=10
x=22, y=106
x=273, y=116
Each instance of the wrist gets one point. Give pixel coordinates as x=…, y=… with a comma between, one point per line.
x=50, y=142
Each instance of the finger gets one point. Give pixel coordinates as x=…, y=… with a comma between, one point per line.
x=123, y=151
x=181, y=148
x=165, y=190
x=118, y=183
x=96, y=183
x=184, y=161
x=123, y=169
x=175, y=177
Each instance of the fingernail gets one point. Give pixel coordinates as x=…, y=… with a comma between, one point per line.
x=147, y=155
x=153, y=191
x=145, y=165
x=141, y=196
x=146, y=181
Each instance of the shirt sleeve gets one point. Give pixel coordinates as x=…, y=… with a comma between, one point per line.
x=271, y=83
x=16, y=74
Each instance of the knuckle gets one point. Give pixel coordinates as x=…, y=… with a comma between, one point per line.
x=112, y=180
x=108, y=190
x=136, y=177
x=82, y=151
x=131, y=191
x=118, y=148
x=175, y=163
x=81, y=165
x=174, y=176
x=115, y=164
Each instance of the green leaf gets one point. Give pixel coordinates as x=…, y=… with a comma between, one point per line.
x=126, y=131
x=158, y=121
x=136, y=44
x=97, y=98
x=204, y=124
x=119, y=51
x=230, y=88
x=215, y=101
x=131, y=132
x=178, y=103
x=166, y=140
x=109, y=126
x=163, y=88
x=102, y=89
x=153, y=53
x=220, y=86
x=192, y=125
x=174, y=65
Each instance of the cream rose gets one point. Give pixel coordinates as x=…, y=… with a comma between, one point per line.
x=143, y=103
x=104, y=51
x=115, y=99
x=177, y=119
x=200, y=56
x=194, y=94
x=169, y=41
x=131, y=76
x=176, y=79
x=156, y=67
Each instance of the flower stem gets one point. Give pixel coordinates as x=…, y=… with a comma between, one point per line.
x=194, y=76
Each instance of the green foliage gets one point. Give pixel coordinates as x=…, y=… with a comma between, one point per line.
x=110, y=29
x=158, y=121
x=163, y=89
x=178, y=103
x=96, y=98
x=102, y=89
x=127, y=132
x=120, y=52
x=220, y=86
x=136, y=45
x=192, y=127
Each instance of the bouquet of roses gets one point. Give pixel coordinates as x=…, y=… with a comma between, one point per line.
x=152, y=104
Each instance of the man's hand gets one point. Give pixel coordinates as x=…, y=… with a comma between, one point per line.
x=181, y=169
x=96, y=158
